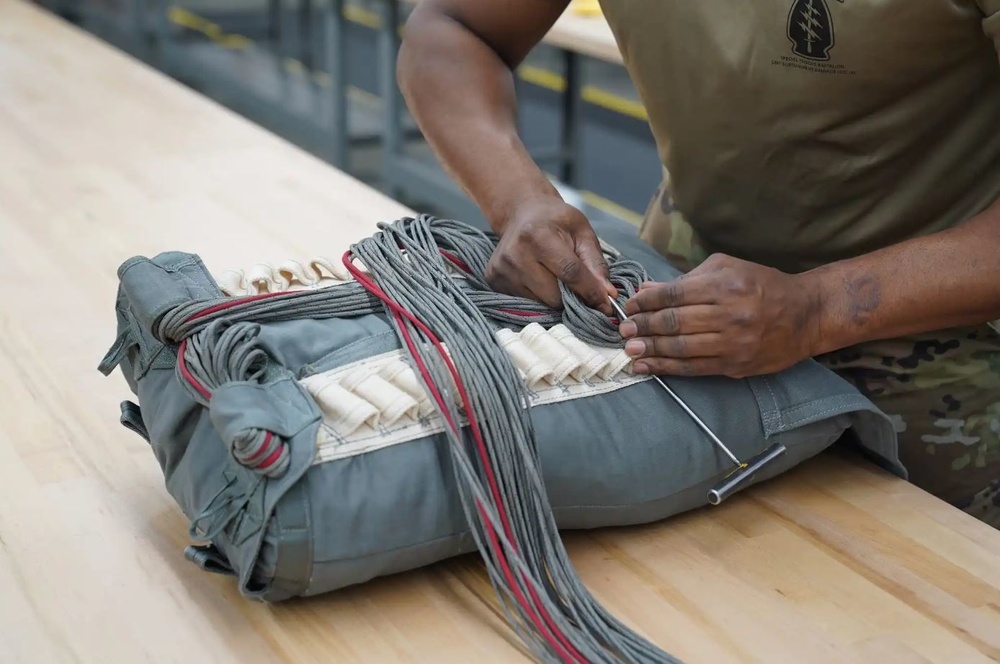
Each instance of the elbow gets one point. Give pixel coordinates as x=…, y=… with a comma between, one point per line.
x=416, y=49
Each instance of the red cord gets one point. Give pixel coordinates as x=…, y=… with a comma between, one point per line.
x=204, y=392
x=398, y=311
x=562, y=645
x=502, y=559
x=188, y=376
x=222, y=306
x=275, y=455
x=456, y=261
x=215, y=308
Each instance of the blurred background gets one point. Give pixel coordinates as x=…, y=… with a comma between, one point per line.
x=321, y=73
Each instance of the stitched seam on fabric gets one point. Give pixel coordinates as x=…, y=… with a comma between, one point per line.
x=846, y=397
x=777, y=411
x=179, y=265
x=839, y=409
x=422, y=429
x=332, y=445
x=768, y=412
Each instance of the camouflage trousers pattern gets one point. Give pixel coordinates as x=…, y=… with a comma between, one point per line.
x=942, y=389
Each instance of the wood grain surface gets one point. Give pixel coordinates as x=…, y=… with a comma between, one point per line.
x=102, y=159
x=583, y=33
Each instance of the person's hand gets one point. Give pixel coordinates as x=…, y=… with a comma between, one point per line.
x=547, y=241
x=727, y=317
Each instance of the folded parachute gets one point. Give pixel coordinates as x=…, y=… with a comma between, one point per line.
x=328, y=422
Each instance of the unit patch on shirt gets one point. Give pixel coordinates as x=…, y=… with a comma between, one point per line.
x=810, y=30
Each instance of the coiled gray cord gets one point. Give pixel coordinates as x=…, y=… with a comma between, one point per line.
x=472, y=247
x=229, y=352
x=501, y=487
x=405, y=261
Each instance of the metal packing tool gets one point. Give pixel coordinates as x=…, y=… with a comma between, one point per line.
x=744, y=470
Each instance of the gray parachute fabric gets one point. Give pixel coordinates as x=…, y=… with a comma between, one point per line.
x=321, y=438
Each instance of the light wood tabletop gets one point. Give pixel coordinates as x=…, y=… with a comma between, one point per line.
x=586, y=34
x=101, y=159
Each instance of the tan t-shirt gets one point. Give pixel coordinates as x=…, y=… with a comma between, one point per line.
x=799, y=132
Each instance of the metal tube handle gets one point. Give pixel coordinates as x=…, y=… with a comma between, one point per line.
x=743, y=475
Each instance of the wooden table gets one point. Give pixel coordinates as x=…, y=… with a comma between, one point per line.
x=103, y=159
x=588, y=35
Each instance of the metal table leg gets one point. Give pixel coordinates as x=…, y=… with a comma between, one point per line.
x=572, y=107
x=388, y=47
x=274, y=22
x=336, y=66
x=306, y=17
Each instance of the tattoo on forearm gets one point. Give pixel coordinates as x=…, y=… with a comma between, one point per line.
x=864, y=294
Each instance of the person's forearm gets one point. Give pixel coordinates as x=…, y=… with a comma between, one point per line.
x=940, y=281
x=461, y=94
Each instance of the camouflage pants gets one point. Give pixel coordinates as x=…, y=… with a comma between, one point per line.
x=941, y=389
x=943, y=392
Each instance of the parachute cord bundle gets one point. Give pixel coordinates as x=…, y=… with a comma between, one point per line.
x=463, y=247
x=471, y=252
x=501, y=486
x=228, y=352
x=410, y=275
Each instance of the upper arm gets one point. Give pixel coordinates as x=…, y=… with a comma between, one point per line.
x=511, y=28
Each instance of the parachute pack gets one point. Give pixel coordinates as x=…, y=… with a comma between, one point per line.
x=324, y=423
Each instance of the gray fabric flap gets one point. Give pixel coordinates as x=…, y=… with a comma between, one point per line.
x=131, y=418
x=808, y=392
x=125, y=339
x=302, y=447
x=209, y=558
x=285, y=408
x=282, y=407
x=154, y=286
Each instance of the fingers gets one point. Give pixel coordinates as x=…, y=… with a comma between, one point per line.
x=670, y=322
x=595, y=287
x=534, y=282
x=683, y=346
x=581, y=266
x=533, y=258
x=543, y=287
x=654, y=296
x=702, y=366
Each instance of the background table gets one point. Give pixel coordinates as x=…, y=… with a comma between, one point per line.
x=101, y=159
x=577, y=37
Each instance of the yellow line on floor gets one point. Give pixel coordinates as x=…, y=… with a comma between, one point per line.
x=543, y=78
x=610, y=207
x=363, y=96
x=603, y=204
x=362, y=16
x=186, y=19
x=591, y=94
x=613, y=102
x=539, y=76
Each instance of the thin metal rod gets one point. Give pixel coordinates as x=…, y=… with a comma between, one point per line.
x=680, y=402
